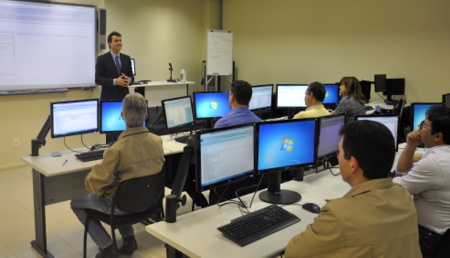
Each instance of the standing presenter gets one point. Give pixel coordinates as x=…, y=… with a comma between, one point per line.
x=113, y=70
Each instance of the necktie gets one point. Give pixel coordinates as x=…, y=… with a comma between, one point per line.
x=118, y=65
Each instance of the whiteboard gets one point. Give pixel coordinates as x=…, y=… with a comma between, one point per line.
x=219, y=52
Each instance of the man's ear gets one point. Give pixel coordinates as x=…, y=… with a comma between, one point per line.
x=354, y=164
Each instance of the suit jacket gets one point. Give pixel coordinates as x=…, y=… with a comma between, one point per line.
x=376, y=218
x=106, y=72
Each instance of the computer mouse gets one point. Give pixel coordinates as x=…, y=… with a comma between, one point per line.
x=312, y=207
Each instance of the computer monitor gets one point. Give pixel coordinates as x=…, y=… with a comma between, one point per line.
x=380, y=82
x=178, y=113
x=261, y=97
x=291, y=95
x=390, y=121
x=284, y=145
x=446, y=99
x=419, y=113
x=328, y=135
x=332, y=95
x=110, y=119
x=74, y=117
x=224, y=155
x=133, y=66
x=211, y=104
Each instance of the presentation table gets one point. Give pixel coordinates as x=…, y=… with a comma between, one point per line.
x=195, y=234
x=58, y=179
x=160, y=90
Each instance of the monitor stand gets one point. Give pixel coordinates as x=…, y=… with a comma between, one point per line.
x=390, y=101
x=275, y=195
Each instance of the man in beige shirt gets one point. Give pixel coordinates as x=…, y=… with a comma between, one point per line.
x=314, y=95
x=137, y=153
x=376, y=218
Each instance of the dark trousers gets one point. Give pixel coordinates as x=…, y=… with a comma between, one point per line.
x=429, y=242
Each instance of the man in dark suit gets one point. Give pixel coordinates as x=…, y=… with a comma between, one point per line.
x=113, y=70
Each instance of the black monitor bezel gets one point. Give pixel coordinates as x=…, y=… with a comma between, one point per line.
x=283, y=168
x=290, y=107
x=198, y=182
x=318, y=126
x=52, y=129
x=100, y=115
x=181, y=126
x=413, y=105
x=444, y=102
x=337, y=93
x=195, y=104
x=386, y=115
x=262, y=108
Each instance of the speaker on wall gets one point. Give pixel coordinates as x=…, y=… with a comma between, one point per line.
x=101, y=30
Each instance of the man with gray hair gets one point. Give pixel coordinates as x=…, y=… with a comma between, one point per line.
x=314, y=96
x=137, y=153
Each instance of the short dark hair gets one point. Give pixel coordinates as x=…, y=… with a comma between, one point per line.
x=372, y=145
x=318, y=90
x=242, y=91
x=439, y=117
x=114, y=33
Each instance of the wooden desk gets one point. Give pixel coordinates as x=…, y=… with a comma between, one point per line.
x=161, y=90
x=55, y=180
x=195, y=234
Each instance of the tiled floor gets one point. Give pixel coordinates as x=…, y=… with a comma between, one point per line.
x=65, y=232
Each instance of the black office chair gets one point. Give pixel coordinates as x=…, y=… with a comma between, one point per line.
x=140, y=196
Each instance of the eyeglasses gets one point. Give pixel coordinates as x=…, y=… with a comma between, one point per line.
x=422, y=124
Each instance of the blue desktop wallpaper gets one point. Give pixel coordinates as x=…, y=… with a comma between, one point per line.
x=211, y=104
x=285, y=144
x=332, y=95
x=420, y=111
x=111, y=121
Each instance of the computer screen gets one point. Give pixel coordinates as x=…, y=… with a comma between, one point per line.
x=332, y=95
x=133, y=66
x=328, y=135
x=110, y=118
x=390, y=121
x=178, y=112
x=419, y=113
x=211, y=104
x=285, y=144
x=74, y=117
x=291, y=95
x=261, y=97
x=446, y=99
x=224, y=155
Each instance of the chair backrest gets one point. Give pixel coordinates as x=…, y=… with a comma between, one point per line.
x=140, y=193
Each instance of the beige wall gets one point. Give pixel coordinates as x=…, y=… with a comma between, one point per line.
x=300, y=41
x=283, y=41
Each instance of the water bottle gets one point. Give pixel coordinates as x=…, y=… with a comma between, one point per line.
x=183, y=75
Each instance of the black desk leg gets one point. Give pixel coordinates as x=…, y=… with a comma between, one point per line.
x=174, y=253
x=40, y=243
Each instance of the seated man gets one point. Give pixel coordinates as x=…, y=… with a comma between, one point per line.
x=240, y=95
x=314, y=95
x=429, y=179
x=137, y=153
x=376, y=218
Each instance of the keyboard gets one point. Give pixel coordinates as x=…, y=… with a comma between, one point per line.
x=258, y=224
x=182, y=139
x=91, y=155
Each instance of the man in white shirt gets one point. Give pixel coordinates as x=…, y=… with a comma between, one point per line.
x=428, y=179
x=314, y=95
